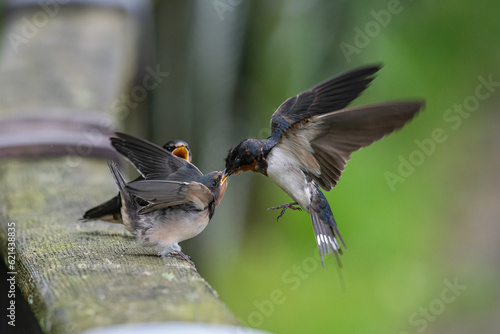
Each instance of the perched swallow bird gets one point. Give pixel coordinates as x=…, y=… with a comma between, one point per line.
x=312, y=137
x=111, y=210
x=173, y=202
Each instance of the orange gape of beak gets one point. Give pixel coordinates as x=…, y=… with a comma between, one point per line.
x=181, y=152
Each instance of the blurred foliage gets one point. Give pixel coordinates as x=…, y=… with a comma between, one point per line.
x=404, y=246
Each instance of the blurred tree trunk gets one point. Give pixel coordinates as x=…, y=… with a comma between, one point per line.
x=203, y=54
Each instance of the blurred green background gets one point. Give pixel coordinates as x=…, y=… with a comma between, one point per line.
x=423, y=253
x=423, y=250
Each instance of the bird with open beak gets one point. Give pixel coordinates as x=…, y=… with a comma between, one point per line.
x=312, y=137
x=110, y=210
x=173, y=202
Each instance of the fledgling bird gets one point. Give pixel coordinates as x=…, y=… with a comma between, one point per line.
x=110, y=210
x=312, y=137
x=180, y=149
x=174, y=202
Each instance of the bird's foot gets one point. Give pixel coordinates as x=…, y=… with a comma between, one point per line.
x=182, y=256
x=284, y=207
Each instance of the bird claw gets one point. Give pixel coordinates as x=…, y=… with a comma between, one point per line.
x=182, y=256
x=284, y=207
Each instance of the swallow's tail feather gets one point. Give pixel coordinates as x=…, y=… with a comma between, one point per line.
x=108, y=211
x=325, y=229
x=120, y=181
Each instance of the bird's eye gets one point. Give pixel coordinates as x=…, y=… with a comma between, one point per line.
x=247, y=159
x=238, y=161
x=214, y=183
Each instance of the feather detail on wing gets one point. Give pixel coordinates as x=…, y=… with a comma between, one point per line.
x=333, y=94
x=161, y=194
x=323, y=144
x=151, y=160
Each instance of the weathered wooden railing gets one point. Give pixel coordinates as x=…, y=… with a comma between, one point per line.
x=66, y=82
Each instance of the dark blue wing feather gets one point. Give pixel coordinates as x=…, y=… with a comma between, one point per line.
x=331, y=95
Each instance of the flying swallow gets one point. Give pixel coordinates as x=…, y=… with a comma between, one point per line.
x=312, y=137
x=111, y=210
x=173, y=202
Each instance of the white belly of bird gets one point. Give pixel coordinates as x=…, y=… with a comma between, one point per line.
x=284, y=171
x=175, y=227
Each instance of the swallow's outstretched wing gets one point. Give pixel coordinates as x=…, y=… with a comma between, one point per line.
x=323, y=144
x=161, y=193
x=152, y=161
x=333, y=94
